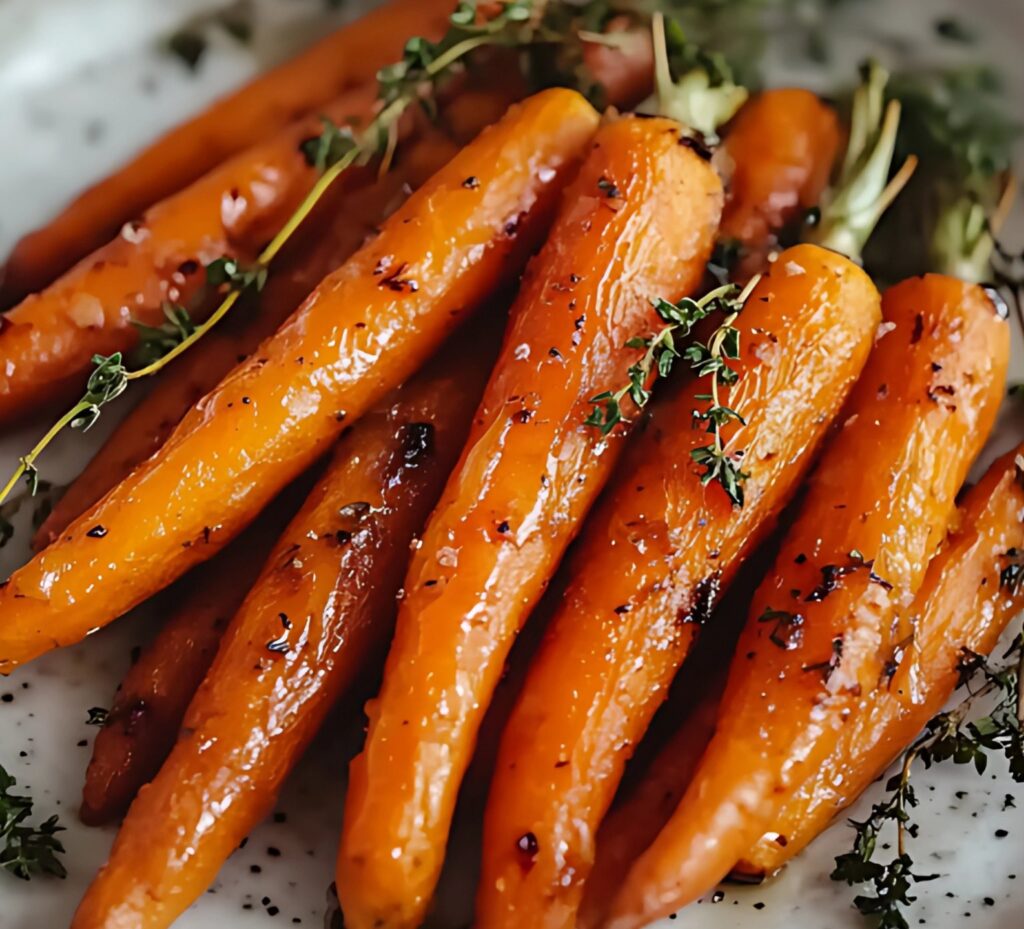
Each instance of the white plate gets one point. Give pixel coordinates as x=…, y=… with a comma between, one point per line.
x=81, y=86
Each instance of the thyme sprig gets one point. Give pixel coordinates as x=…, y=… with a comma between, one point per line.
x=412, y=80
x=26, y=850
x=710, y=359
x=952, y=735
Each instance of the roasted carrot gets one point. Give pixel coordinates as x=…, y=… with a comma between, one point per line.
x=820, y=629
x=363, y=331
x=48, y=341
x=151, y=700
x=325, y=241
x=777, y=156
x=962, y=604
x=349, y=57
x=639, y=220
x=652, y=562
x=319, y=618
x=656, y=776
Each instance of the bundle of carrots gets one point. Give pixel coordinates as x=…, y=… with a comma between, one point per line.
x=373, y=441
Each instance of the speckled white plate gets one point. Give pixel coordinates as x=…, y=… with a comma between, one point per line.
x=82, y=84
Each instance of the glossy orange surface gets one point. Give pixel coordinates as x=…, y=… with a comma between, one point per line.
x=876, y=510
x=336, y=64
x=778, y=154
x=651, y=564
x=48, y=341
x=151, y=699
x=319, y=617
x=364, y=330
x=639, y=221
x=961, y=605
x=340, y=225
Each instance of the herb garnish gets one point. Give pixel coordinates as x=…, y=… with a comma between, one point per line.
x=949, y=736
x=706, y=359
x=26, y=850
x=411, y=81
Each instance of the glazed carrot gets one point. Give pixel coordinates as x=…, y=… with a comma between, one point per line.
x=152, y=698
x=652, y=562
x=778, y=154
x=656, y=776
x=819, y=632
x=363, y=331
x=324, y=242
x=349, y=57
x=961, y=605
x=319, y=617
x=48, y=341
x=640, y=219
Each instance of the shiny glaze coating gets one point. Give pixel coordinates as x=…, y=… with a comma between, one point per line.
x=47, y=342
x=305, y=84
x=343, y=222
x=151, y=700
x=319, y=618
x=639, y=221
x=364, y=330
x=876, y=510
x=778, y=154
x=961, y=605
x=651, y=563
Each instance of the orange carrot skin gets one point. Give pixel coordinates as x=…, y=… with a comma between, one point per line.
x=883, y=491
x=639, y=220
x=153, y=697
x=350, y=220
x=365, y=330
x=648, y=570
x=333, y=577
x=778, y=153
x=349, y=57
x=630, y=827
x=961, y=605
x=151, y=700
x=48, y=341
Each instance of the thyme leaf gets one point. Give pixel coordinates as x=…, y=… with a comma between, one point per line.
x=412, y=80
x=661, y=352
x=25, y=850
x=952, y=735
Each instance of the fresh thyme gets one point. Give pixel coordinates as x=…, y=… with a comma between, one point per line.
x=413, y=80
x=710, y=359
x=951, y=735
x=26, y=850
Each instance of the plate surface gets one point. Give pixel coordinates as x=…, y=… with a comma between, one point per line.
x=82, y=84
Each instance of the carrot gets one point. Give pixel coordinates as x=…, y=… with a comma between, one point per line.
x=335, y=65
x=656, y=776
x=639, y=220
x=318, y=618
x=819, y=631
x=151, y=700
x=363, y=331
x=48, y=341
x=962, y=605
x=651, y=565
x=778, y=154
x=328, y=238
